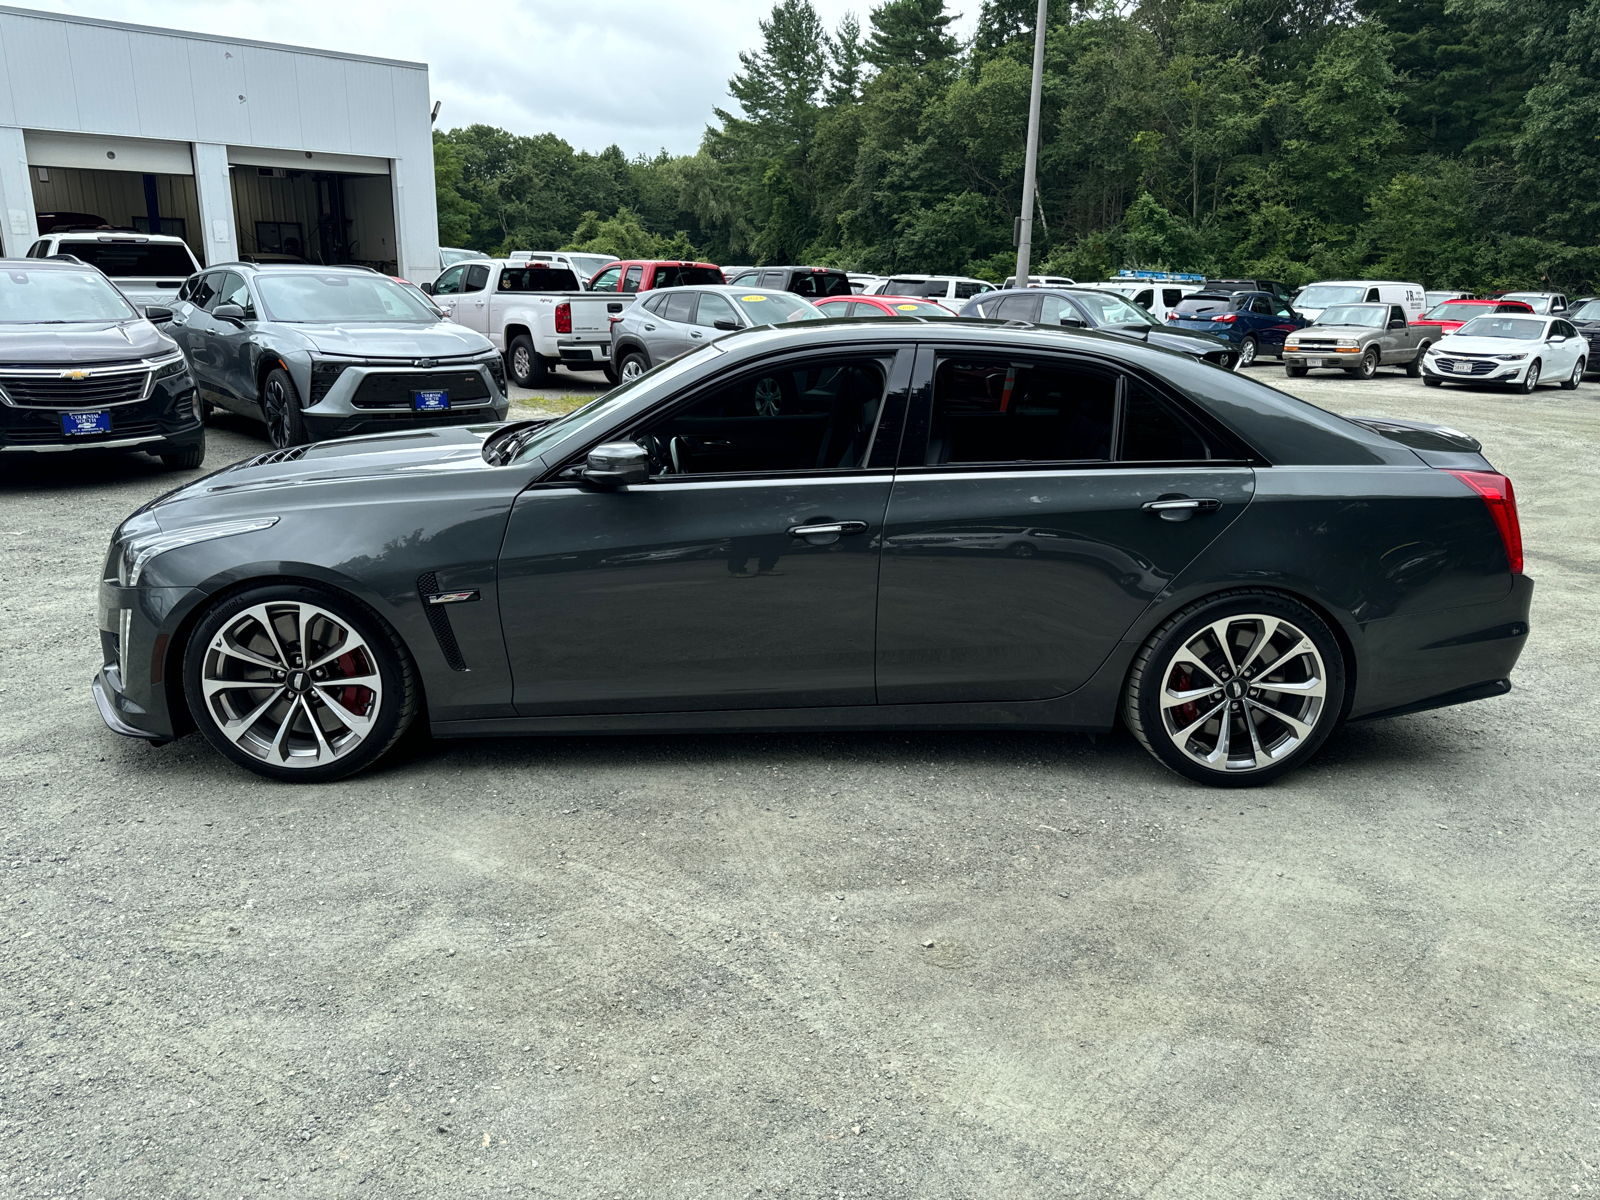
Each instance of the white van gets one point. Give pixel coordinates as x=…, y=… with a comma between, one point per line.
x=1310, y=302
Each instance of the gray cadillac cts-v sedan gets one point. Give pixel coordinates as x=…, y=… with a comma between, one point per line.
x=827, y=525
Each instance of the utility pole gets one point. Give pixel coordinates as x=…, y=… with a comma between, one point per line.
x=1030, y=170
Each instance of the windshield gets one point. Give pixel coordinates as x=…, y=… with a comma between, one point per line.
x=1522, y=329
x=1587, y=312
x=588, y=265
x=1459, y=312
x=1374, y=316
x=602, y=407
x=1111, y=309
x=59, y=297
x=347, y=296
x=1320, y=295
x=122, y=259
x=1539, y=304
x=774, y=308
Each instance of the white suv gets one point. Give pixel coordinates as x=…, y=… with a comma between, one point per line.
x=147, y=268
x=932, y=287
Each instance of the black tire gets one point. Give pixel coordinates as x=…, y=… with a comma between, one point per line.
x=280, y=408
x=1432, y=382
x=186, y=459
x=633, y=365
x=1414, y=367
x=1531, y=380
x=1571, y=384
x=1283, y=744
x=1248, y=349
x=207, y=411
x=611, y=375
x=381, y=654
x=1295, y=371
x=524, y=365
x=1368, y=366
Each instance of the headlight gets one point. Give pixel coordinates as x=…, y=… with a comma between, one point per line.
x=325, y=373
x=168, y=368
x=1511, y=357
x=497, y=369
x=139, y=545
x=1350, y=343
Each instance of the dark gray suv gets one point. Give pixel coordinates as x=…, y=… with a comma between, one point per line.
x=327, y=352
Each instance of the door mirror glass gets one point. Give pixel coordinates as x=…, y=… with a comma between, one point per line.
x=427, y=289
x=616, y=464
x=228, y=312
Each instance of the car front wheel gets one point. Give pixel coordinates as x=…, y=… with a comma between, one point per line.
x=1237, y=689
x=280, y=408
x=297, y=683
x=1530, y=380
x=1367, y=367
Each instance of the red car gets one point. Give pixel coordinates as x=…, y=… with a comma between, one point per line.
x=641, y=275
x=1453, y=314
x=880, y=306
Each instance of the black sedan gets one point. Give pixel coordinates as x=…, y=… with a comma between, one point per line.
x=1585, y=315
x=830, y=525
x=1086, y=308
x=81, y=369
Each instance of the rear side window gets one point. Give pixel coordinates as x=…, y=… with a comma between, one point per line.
x=999, y=411
x=1153, y=432
x=653, y=304
x=680, y=307
x=534, y=279
x=1017, y=308
x=814, y=284
x=966, y=289
x=203, y=291
x=477, y=279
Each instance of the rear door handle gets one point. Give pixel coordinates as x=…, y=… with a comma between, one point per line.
x=697, y=335
x=828, y=529
x=1181, y=508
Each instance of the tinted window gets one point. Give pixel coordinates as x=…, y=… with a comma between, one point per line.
x=1260, y=304
x=535, y=279
x=1017, y=308
x=231, y=290
x=203, y=291
x=995, y=411
x=449, y=284
x=630, y=282
x=816, y=283
x=654, y=304
x=773, y=279
x=1202, y=304
x=1145, y=298
x=674, y=276
x=966, y=291
x=1171, y=296
x=606, y=281
x=122, y=260
x=804, y=418
x=910, y=287
x=715, y=307
x=1396, y=313
x=1153, y=432
x=680, y=307
x=477, y=278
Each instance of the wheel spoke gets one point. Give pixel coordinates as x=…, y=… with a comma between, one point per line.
x=1300, y=729
x=1182, y=735
x=1219, y=634
x=1262, y=757
x=1224, y=737
x=237, y=729
x=1268, y=632
x=324, y=751
x=1310, y=687
x=1172, y=699
x=355, y=722
x=212, y=686
x=223, y=646
x=263, y=617
x=350, y=645
x=281, y=739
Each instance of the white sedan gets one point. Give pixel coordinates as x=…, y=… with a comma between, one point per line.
x=1508, y=349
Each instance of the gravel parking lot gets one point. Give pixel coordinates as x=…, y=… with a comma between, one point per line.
x=859, y=965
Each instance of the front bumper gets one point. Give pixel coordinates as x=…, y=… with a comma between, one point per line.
x=163, y=422
x=1342, y=360
x=1498, y=373
x=371, y=398
x=131, y=687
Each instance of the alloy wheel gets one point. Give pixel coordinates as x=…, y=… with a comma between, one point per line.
x=521, y=363
x=275, y=408
x=768, y=397
x=291, y=684
x=1243, y=693
x=632, y=368
x=1247, y=353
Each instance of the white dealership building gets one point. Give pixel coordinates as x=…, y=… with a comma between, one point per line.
x=244, y=149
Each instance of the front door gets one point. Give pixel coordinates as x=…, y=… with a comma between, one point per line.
x=472, y=306
x=743, y=575
x=1018, y=545
x=447, y=289
x=231, y=341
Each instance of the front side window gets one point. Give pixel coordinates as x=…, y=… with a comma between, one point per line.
x=41, y=295
x=606, y=281
x=715, y=307
x=449, y=284
x=1054, y=310
x=306, y=296
x=966, y=290
x=630, y=281
x=807, y=417
x=232, y=290
x=1010, y=411
x=1108, y=308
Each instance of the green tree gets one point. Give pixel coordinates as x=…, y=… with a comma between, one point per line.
x=845, y=60
x=455, y=210
x=910, y=33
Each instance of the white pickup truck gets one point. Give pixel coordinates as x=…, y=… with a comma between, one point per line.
x=536, y=315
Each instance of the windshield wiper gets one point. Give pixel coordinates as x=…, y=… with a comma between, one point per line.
x=506, y=443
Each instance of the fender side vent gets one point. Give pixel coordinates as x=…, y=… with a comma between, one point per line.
x=439, y=618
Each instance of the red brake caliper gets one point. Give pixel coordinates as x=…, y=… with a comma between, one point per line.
x=357, y=698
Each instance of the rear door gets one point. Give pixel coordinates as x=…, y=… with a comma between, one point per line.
x=1018, y=545
x=743, y=575
x=672, y=334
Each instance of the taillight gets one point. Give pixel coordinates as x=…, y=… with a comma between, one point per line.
x=563, y=317
x=1172, y=316
x=1226, y=318
x=1501, y=498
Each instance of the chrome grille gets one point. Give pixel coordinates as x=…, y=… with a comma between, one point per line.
x=1454, y=365
x=1303, y=345
x=36, y=388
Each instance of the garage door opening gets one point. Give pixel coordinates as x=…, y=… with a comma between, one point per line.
x=323, y=217
x=148, y=203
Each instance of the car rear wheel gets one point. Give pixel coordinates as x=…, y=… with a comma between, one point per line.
x=1247, y=352
x=297, y=683
x=527, y=368
x=1237, y=689
x=1414, y=367
x=1368, y=366
x=280, y=408
x=1530, y=380
x=632, y=366
x=1571, y=385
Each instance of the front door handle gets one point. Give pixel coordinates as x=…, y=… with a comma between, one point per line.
x=1181, y=508
x=824, y=532
x=697, y=335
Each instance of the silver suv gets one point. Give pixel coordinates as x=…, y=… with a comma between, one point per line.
x=672, y=321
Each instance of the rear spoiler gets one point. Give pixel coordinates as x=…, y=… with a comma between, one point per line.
x=1437, y=445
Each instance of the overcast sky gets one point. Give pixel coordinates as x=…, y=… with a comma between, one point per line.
x=644, y=74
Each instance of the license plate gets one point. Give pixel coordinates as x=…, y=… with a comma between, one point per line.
x=430, y=401
x=1316, y=362
x=74, y=424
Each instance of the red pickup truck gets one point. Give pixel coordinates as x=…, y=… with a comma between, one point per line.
x=641, y=275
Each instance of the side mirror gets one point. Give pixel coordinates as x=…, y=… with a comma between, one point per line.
x=1397, y=324
x=426, y=288
x=228, y=312
x=157, y=313
x=1072, y=322
x=617, y=464
x=724, y=323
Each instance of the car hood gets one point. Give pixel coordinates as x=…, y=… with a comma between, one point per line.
x=444, y=339
x=81, y=343
x=1484, y=345
x=1338, y=331
x=1186, y=340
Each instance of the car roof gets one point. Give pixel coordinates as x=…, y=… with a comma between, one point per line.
x=280, y=268
x=114, y=235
